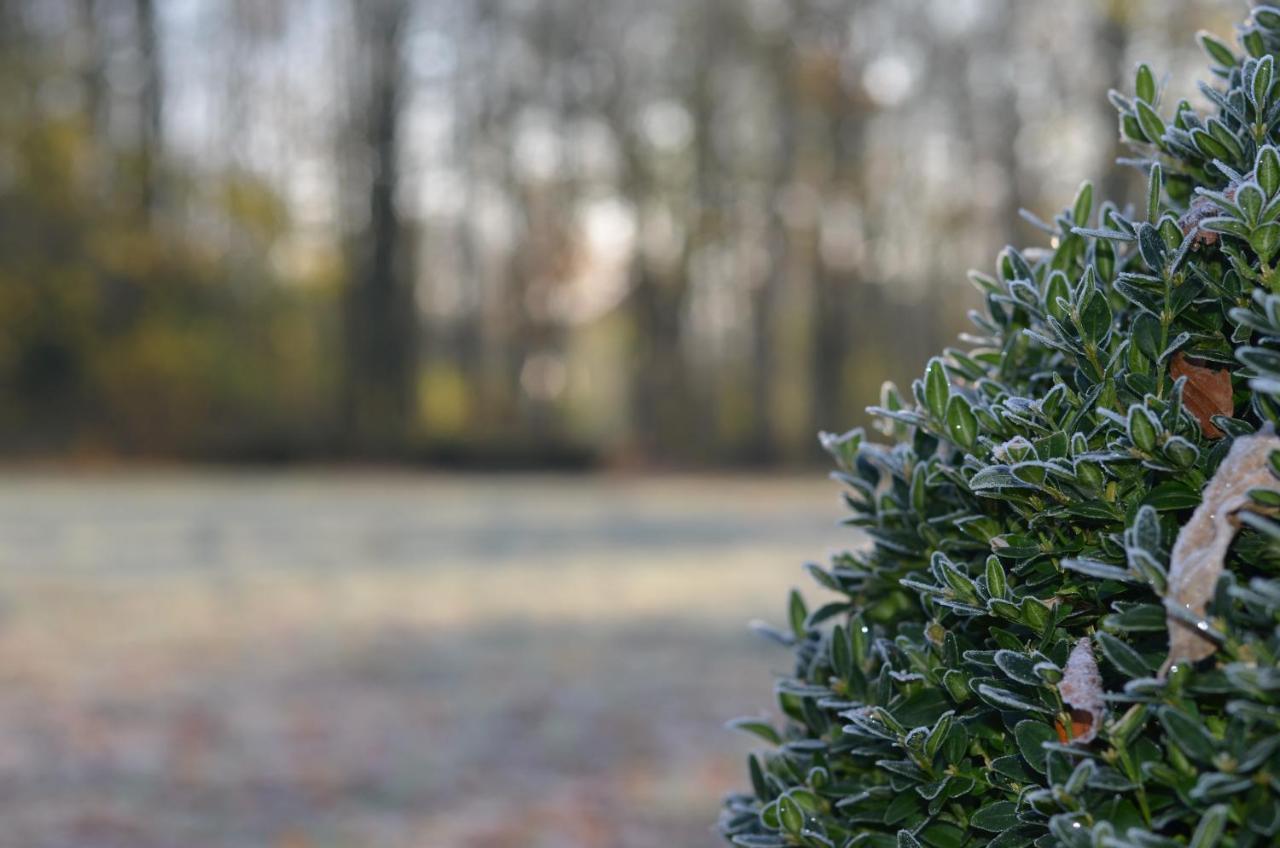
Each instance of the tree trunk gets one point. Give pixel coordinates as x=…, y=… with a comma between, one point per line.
x=380, y=313
x=763, y=446
x=835, y=288
x=151, y=97
x=1112, y=40
x=1009, y=123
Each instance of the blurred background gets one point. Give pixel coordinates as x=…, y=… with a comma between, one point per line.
x=407, y=402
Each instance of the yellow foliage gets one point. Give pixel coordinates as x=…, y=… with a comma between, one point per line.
x=444, y=401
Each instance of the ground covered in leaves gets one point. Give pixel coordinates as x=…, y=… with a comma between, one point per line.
x=385, y=661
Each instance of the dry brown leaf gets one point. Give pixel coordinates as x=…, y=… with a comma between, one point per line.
x=1207, y=392
x=1203, y=208
x=1202, y=542
x=1081, y=689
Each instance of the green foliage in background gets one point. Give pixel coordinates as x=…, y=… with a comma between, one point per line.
x=1031, y=495
x=121, y=332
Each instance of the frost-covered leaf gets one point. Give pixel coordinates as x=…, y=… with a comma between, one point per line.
x=1081, y=690
x=1198, y=553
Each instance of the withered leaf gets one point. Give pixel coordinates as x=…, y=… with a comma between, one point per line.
x=1207, y=392
x=1201, y=546
x=1081, y=689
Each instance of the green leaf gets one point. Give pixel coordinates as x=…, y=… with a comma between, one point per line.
x=859, y=638
x=937, y=389
x=1138, y=618
x=1142, y=428
x=790, y=815
x=1267, y=16
x=1151, y=246
x=1261, y=84
x=1250, y=199
x=1095, y=318
x=1057, y=296
x=1267, y=170
x=758, y=727
x=806, y=799
x=1268, y=498
x=1030, y=735
x=1217, y=50
x=1145, y=531
x=1003, y=699
x=1181, y=452
x=900, y=807
x=1034, y=613
x=1083, y=206
x=1125, y=659
x=758, y=783
x=957, y=685
x=959, y=582
x=1099, y=570
x=1047, y=672
x=995, y=817
x=1226, y=137
x=941, y=834
x=1264, y=817
x=961, y=423
x=939, y=733
x=997, y=584
x=844, y=447
x=1212, y=823
x=1155, y=184
x=1265, y=240
x=841, y=654
x=995, y=477
x=1067, y=828
x=1016, y=837
x=1217, y=786
x=1012, y=767
x=1254, y=43
x=1152, y=125
x=1230, y=226
x=1188, y=734
x=1123, y=729
x=1172, y=494
x=1019, y=667
x=797, y=613
x=1146, y=84
x=1003, y=609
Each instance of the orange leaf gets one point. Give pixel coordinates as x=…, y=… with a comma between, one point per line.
x=1206, y=394
x=1081, y=725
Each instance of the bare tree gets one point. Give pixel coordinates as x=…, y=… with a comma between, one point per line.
x=151, y=113
x=787, y=95
x=845, y=112
x=1112, y=40
x=379, y=312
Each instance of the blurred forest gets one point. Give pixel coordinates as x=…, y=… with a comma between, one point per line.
x=517, y=232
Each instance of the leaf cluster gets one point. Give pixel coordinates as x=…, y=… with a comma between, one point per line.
x=1035, y=481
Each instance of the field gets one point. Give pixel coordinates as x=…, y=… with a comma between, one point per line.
x=314, y=659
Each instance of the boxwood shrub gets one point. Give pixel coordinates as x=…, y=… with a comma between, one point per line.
x=995, y=667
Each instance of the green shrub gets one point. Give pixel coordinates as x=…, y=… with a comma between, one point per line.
x=1026, y=524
